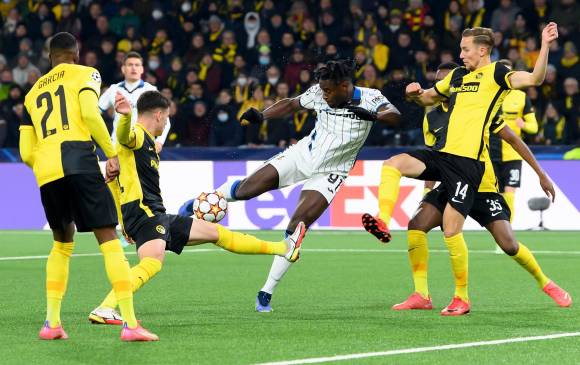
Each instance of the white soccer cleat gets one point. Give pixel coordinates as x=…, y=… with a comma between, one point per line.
x=103, y=315
x=294, y=243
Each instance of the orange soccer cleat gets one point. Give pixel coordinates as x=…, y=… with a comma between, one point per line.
x=414, y=301
x=377, y=227
x=457, y=307
x=559, y=295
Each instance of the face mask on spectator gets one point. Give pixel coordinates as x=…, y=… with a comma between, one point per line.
x=264, y=60
x=157, y=14
x=273, y=80
x=153, y=64
x=222, y=116
x=242, y=81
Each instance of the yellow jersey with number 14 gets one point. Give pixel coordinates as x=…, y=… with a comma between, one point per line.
x=52, y=108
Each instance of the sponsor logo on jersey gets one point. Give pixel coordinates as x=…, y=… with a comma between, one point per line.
x=155, y=164
x=470, y=87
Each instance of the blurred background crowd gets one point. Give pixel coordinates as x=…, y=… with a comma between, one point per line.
x=215, y=59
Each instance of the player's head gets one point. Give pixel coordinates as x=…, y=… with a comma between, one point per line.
x=444, y=69
x=476, y=44
x=507, y=63
x=132, y=67
x=335, y=80
x=153, y=111
x=63, y=48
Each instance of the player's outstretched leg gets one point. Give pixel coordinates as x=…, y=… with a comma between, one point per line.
x=389, y=186
x=504, y=236
x=310, y=207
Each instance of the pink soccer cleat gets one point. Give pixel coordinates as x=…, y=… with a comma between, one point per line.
x=457, y=307
x=415, y=301
x=559, y=295
x=48, y=333
x=377, y=227
x=137, y=334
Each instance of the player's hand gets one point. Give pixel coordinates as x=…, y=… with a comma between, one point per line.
x=111, y=169
x=158, y=147
x=251, y=116
x=550, y=33
x=362, y=113
x=547, y=186
x=520, y=122
x=413, y=90
x=122, y=105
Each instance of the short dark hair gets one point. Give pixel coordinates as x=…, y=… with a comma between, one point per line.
x=132, y=54
x=336, y=71
x=62, y=41
x=151, y=100
x=447, y=66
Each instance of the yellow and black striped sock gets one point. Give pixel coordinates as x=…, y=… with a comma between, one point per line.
x=419, y=259
x=459, y=264
x=119, y=274
x=57, y=279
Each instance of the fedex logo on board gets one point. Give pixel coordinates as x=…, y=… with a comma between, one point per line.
x=271, y=209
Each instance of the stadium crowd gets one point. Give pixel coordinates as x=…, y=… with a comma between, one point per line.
x=215, y=59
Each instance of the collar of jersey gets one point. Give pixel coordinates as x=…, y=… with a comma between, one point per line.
x=144, y=130
x=140, y=85
x=356, y=95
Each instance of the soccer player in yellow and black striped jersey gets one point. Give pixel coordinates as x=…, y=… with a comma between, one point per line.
x=489, y=210
x=60, y=121
x=144, y=217
x=474, y=94
x=518, y=113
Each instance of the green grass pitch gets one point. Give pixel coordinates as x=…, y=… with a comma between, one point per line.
x=333, y=302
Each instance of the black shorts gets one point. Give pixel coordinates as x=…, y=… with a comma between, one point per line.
x=84, y=199
x=487, y=207
x=509, y=173
x=173, y=229
x=460, y=176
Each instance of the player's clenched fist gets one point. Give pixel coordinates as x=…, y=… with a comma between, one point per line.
x=252, y=116
x=550, y=33
x=413, y=90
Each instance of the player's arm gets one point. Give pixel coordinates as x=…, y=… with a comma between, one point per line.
x=417, y=94
x=28, y=140
x=94, y=122
x=508, y=135
x=524, y=79
x=106, y=100
x=160, y=141
x=280, y=109
x=126, y=134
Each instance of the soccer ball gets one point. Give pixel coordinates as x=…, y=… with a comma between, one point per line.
x=211, y=207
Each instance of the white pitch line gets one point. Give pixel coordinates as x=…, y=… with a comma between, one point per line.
x=314, y=250
x=318, y=360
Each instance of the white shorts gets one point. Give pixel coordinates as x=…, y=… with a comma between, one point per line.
x=294, y=165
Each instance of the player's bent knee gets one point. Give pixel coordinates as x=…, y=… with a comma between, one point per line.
x=154, y=249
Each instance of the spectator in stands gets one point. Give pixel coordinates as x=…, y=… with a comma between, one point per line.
x=566, y=14
x=570, y=109
x=225, y=128
x=503, y=17
x=198, y=125
x=453, y=13
x=402, y=52
x=552, y=127
x=531, y=52
x=391, y=30
x=379, y=53
x=68, y=22
x=156, y=69
x=176, y=77
x=22, y=69
x=370, y=78
x=305, y=81
x=549, y=89
x=210, y=72
x=9, y=109
x=476, y=14
x=107, y=64
x=197, y=92
x=570, y=62
x=294, y=68
x=196, y=50
x=6, y=83
x=270, y=82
